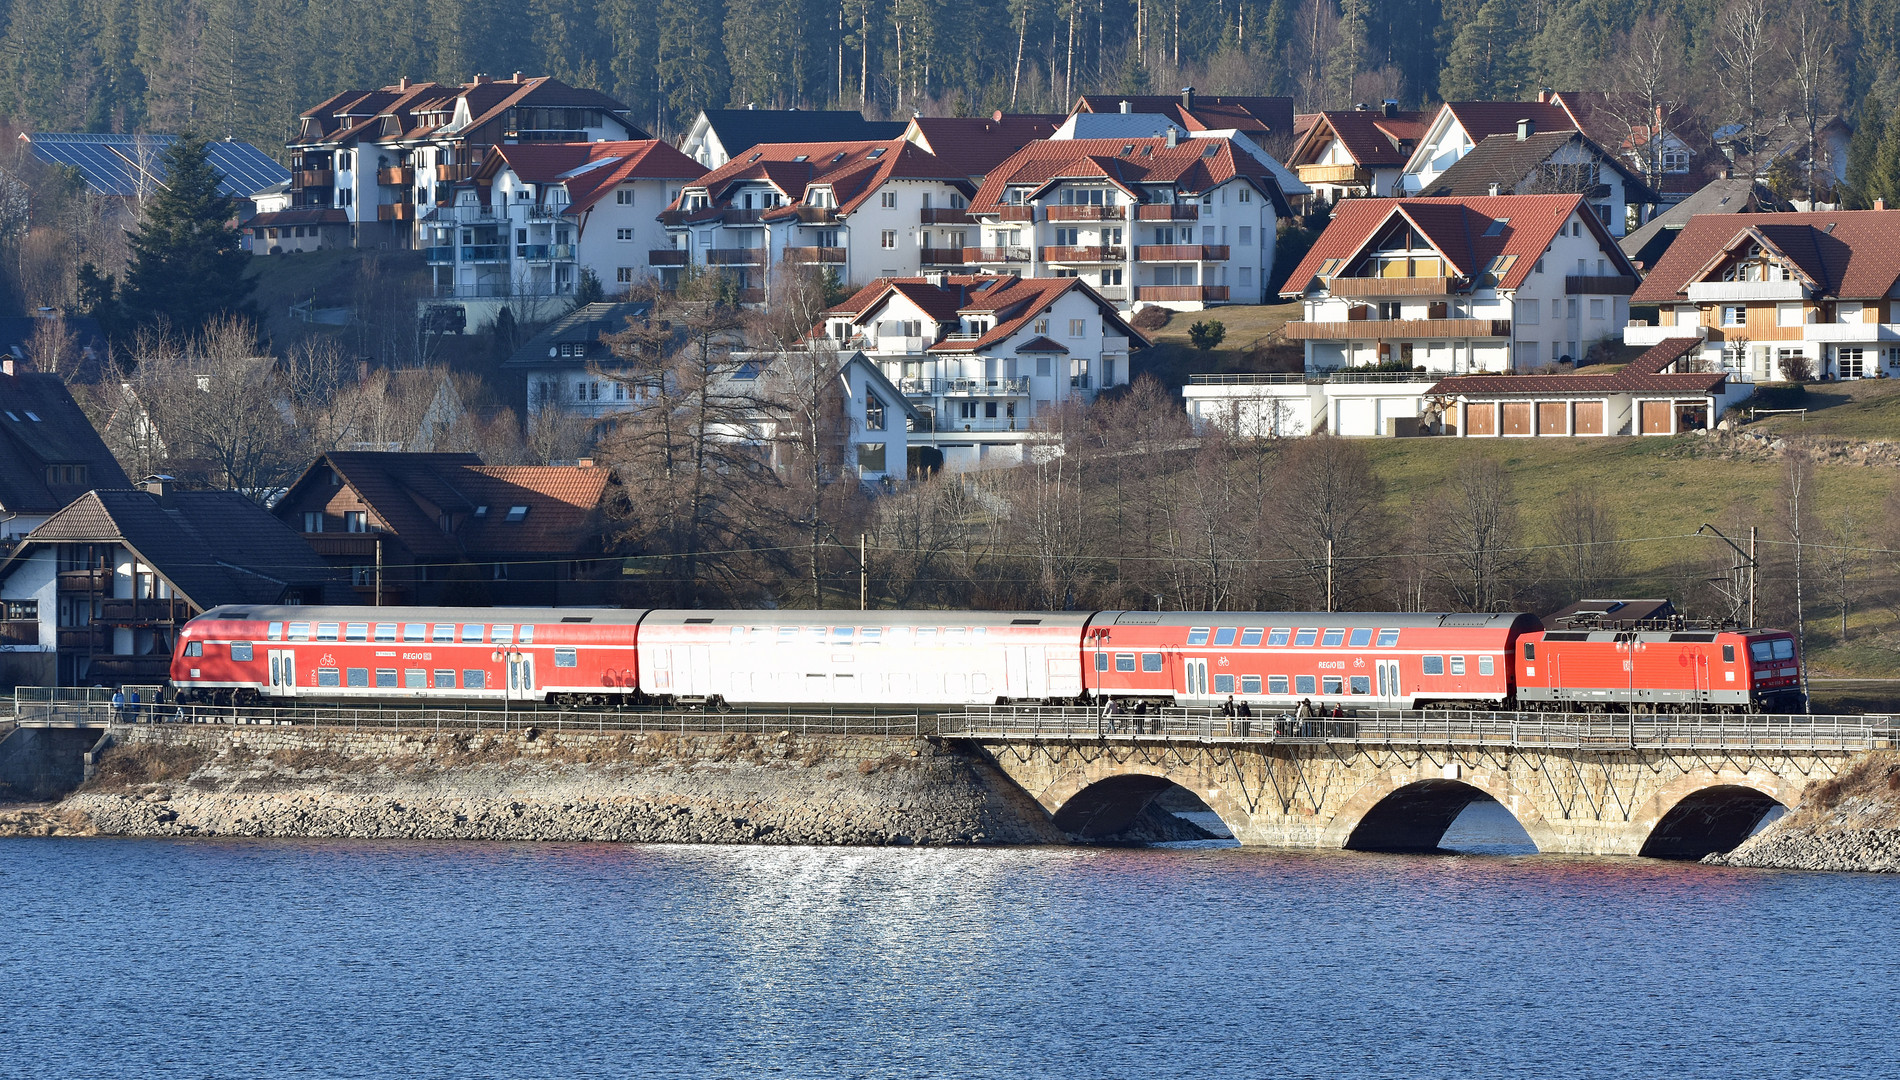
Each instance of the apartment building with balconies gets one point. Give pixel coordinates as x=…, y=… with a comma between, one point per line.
x=388, y=157
x=862, y=210
x=537, y=214
x=984, y=358
x=1486, y=284
x=1179, y=223
x=1768, y=294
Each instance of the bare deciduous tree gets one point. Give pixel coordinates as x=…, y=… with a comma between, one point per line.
x=1586, y=557
x=1329, y=495
x=1479, y=537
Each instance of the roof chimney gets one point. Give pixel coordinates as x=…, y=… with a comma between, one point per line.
x=1127, y=108
x=518, y=77
x=1526, y=128
x=159, y=486
x=1174, y=135
x=1543, y=95
x=481, y=77
x=402, y=83
x=6, y=367
x=1187, y=98
x=1389, y=107
x=1880, y=204
x=1496, y=188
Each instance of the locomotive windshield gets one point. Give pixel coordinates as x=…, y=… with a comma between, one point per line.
x=1776, y=649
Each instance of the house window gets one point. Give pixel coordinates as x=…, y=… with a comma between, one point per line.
x=624, y=235
x=871, y=457
x=1042, y=366
x=624, y=197
x=1041, y=326
x=1851, y=361
x=1540, y=266
x=1111, y=277
x=1246, y=196
x=1246, y=236
x=873, y=413
x=1596, y=309
x=355, y=521
x=1734, y=315
x=1078, y=328
x=313, y=521
x=623, y=275
x=888, y=238
x=887, y=199
x=1246, y=274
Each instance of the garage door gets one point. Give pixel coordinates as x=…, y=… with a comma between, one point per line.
x=1550, y=417
x=1481, y=418
x=1358, y=417
x=1656, y=417
x=1517, y=418
x=1589, y=418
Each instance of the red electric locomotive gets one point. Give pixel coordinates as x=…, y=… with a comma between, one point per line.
x=1659, y=669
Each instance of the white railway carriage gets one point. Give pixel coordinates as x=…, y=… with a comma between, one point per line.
x=851, y=657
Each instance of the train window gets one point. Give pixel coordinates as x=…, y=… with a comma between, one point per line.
x=276, y=632
x=415, y=679
x=300, y=631
x=415, y=631
x=1101, y=661
x=926, y=635
x=1332, y=684
x=1224, y=635
x=1728, y=654
x=386, y=677
x=241, y=651
x=471, y=633
x=1124, y=661
x=899, y=635
x=1305, y=637
x=1434, y=665
x=326, y=631
x=787, y=633
x=1303, y=684
x=328, y=676
x=445, y=632
x=1484, y=665
x=1197, y=635
x=1761, y=650
x=979, y=634
x=1361, y=637
x=1333, y=638
x=1278, y=636
x=738, y=635
x=564, y=658
x=504, y=634
x=953, y=636
x=1151, y=661
x=1223, y=684
x=527, y=634
x=474, y=679
x=356, y=631
x=1250, y=684
x=1530, y=650
x=385, y=631
x=815, y=633
x=1388, y=639
x=1362, y=684
x=444, y=679
x=194, y=648
x=1784, y=648
x=1276, y=684
x=1251, y=636
x=359, y=676
x=871, y=635
x=841, y=635
x=1457, y=665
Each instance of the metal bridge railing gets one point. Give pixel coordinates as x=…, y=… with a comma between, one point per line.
x=1661, y=731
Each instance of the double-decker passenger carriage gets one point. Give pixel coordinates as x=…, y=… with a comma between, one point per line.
x=1276, y=659
x=408, y=655
x=1659, y=669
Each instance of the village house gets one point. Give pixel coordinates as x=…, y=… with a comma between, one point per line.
x=719, y=135
x=50, y=453
x=1261, y=119
x=96, y=594
x=983, y=358
x=1459, y=126
x=1742, y=195
x=535, y=215
x=368, y=165
x=567, y=366
x=1178, y=223
x=1354, y=153
x=1774, y=296
x=426, y=528
x=1528, y=162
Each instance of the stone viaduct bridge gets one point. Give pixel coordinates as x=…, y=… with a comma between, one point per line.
x=1667, y=787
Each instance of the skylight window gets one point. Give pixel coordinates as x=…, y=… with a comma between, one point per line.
x=1497, y=226
x=875, y=154
x=481, y=511
x=517, y=513
x=13, y=416
x=33, y=417
x=802, y=157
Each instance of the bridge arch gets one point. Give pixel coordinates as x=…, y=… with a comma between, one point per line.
x=1407, y=812
x=1095, y=805
x=1712, y=817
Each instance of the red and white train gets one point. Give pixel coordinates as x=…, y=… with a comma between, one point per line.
x=926, y=659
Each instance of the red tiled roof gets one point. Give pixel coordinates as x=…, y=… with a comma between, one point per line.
x=361, y=113
x=1642, y=375
x=1194, y=166
x=561, y=501
x=1457, y=227
x=973, y=145
x=557, y=163
x=1482, y=118
x=1011, y=300
x=1041, y=345
x=1853, y=254
x=1372, y=138
x=854, y=170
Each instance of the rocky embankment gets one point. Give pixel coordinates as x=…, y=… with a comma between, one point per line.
x=1850, y=822
x=543, y=785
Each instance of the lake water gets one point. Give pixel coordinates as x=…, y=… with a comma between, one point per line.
x=267, y=958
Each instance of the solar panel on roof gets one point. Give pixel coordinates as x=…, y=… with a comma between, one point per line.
x=123, y=165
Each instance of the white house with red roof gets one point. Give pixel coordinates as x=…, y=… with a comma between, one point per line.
x=1459, y=126
x=1178, y=223
x=1357, y=152
x=536, y=214
x=862, y=209
x=984, y=358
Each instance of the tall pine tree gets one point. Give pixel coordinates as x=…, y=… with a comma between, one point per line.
x=187, y=268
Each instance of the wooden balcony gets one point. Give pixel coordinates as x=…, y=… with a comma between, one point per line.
x=666, y=257
x=396, y=212
x=401, y=176
x=1334, y=174
x=122, y=612
x=1181, y=252
x=84, y=639
x=1417, y=286
x=21, y=632
x=943, y=215
x=1083, y=213
x=834, y=255
x=307, y=178
x=342, y=545
x=1017, y=213
x=1083, y=254
x=735, y=256
x=944, y=256
x=814, y=215
x=752, y=296
x=99, y=581
x=449, y=174
x=996, y=255
x=1599, y=284
x=1393, y=329
x=1168, y=212
x=1181, y=293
